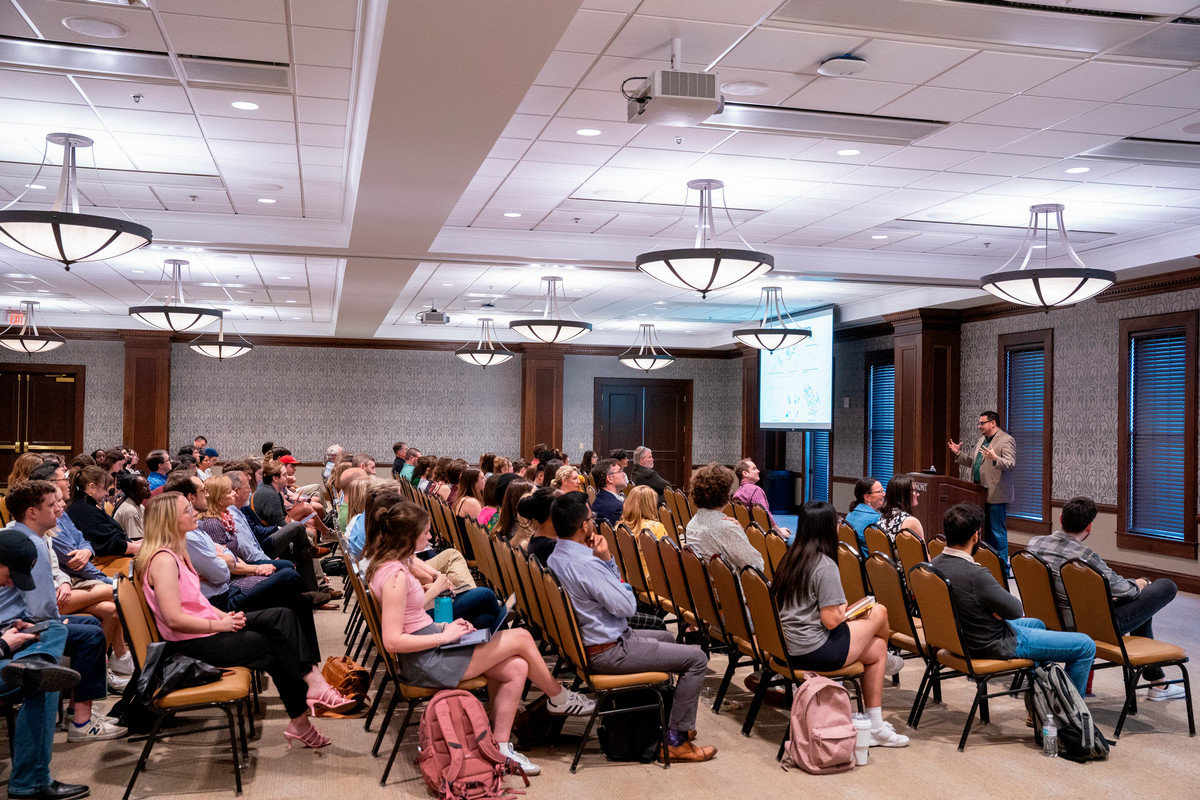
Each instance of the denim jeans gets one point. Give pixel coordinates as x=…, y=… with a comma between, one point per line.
x=478, y=607
x=1075, y=650
x=995, y=529
x=86, y=648
x=1135, y=616
x=34, y=732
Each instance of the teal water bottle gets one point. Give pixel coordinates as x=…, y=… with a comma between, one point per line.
x=443, y=609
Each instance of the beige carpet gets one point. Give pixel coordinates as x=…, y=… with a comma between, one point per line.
x=1154, y=756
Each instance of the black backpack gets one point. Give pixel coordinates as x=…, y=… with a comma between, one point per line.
x=636, y=735
x=1054, y=699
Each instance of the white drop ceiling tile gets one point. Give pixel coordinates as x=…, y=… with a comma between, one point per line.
x=609, y=72
x=846, y=95
x=495, y=167
x=847, y=192
x=975, y=138
x=509, y=148
x=634, y=224
x=768, y=145
x=1058, y=144
x=1003, y=72
x=123, y=120
x=322, y=110
x=258, y=130
x=696, y=140
x=885, y=176
x=1180, y=198
x=224, y=149
x=48, y=117
x=909, y=62
x=1094, y=193
x=802, y=170
x=1180, y=92
x=731, y=168
x=97, y=192
x=320, y=172
x=787, y=50
x=559, y=174
x=523, y=198
x=779, y=85
x=543, y=100
x=744, y=12
x=322, y=156
x=564, y=69
x=46, y=88
x=569, y=153
x=322, y=47
x=916, y=199
x=117, y=93
x=139, y=144
x=484, y=183
x=1120, y=119
x=323, y=14
x=922, y=158
x=48, y=17
x=574, y=221
x=944, y=105
x=593, y=104
x=650, y=37
x=259, y=11
x=148, y=162
x=611, y=133
x=590, y=31
x=524, y=126
x=1098, y=80
x=13, y=24
x=322, y=82
x=187, y=206
x=1096, y=169
x=1033, y=112
x=1183, y=129
x=227, y=38
x=322, y=135
x=1036, y=190
x=1003, y=164
x=1150, y=175
x=257, y=170
x=218, y=103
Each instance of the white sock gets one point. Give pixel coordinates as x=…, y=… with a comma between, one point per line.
x=876, y=715
x=504, y=746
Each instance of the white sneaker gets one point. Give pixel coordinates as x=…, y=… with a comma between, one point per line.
x=886, y=736
x=97, y=730
x=572, y=703
x=524, y=763
x=1172, y=691
x=894, y=664
x=122, y=665
x=118, y=682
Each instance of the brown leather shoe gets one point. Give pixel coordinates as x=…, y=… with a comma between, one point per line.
x=689, y=751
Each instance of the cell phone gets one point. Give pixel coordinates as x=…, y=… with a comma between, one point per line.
x=38, y=627
x=310, y=516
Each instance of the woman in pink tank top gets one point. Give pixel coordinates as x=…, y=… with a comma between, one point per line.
x=270, y=639
x=394, y=534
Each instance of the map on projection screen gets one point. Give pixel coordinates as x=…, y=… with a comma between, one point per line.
x=795, y=385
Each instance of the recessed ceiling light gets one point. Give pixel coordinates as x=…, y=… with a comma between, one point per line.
x=849, y=152
x=291, y=301
x=1078, y=170
x=879, y=236
x=588, y=131
x=96, y=28
x=244, y=291
x=687, y=331
x=139, y=272
x=44, y=291
x=447, y=284
x=295, y=318
x=34, y=186
x=285, y=277
x=267, y=200
x=244, y=105
x=641, y=315
x=512, y=214
x=745, y=88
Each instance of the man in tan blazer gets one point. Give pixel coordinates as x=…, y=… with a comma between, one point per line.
x=991, y=462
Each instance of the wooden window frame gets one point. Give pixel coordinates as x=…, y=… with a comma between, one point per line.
x=1127, y=540
x=1031, y=340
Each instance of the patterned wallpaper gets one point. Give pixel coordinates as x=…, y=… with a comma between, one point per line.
x=1086, y=366
x=306, y=398
x=104, y=387
x=716, y=398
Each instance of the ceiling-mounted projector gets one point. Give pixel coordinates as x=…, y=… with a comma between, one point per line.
x=433, y=317
x=677, y=99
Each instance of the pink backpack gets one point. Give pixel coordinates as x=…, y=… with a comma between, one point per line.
x=821, y=733
x=457, y=753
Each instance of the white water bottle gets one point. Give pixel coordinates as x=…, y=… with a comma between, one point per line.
x=862, y=727
x=1049, y=741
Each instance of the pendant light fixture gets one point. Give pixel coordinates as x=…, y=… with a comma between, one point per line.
x=650, y=352
x=175, y=316
x=704, y=268
x=488, y=351
x=772, y=333
x=221, y=349
x=28, y=339
x=551, y=328
x=68, y=236
x=1046, y=286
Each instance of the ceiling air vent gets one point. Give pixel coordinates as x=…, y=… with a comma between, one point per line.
x=801, y=122
x=1083, y=12
x=76, y=58
x=260, y=75
x=1161, y=152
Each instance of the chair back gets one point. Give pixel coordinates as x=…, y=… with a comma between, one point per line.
x=729, y=596
x=704, y=598
x=591, y=494
x=136, y=618
x=552, y=628
x=482, y=549
x=606, y=531
x=533, y=608
x=1089, y=594
x=758, y=541
x=727, y=510
x=986, y=556
x=558, y=603
x=635, y=575
x=501, y=555
x=939, y=621
x=5, y=517
x=668, y=554
x=741, y=513
x=666, y=518
x=373, y=614
x=887, y=584
x=761, y=518
x=910, y=549
x=851, y=570
x=777, y=548
x=935, y=546
x=671, y=498
x=878, y=541
x=687, y=509
x=764, y=615
x=660, y=587
x=1035, y=582
x=847, y=535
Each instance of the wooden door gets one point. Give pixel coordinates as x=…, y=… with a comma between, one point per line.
x=657, y=413
x=41, y=411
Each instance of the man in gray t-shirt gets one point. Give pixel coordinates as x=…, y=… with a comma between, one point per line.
x=802, y=628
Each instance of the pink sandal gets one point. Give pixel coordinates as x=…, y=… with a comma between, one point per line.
x=330, y=700
x=310, y=738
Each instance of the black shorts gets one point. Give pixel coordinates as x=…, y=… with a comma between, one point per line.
x=828, y=657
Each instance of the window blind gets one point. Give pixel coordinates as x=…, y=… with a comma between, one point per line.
x=881, y=420
x=816, y=453
x=1025, y=420
x=1157, y=419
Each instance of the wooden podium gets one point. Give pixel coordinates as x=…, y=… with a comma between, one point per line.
x=938, y=494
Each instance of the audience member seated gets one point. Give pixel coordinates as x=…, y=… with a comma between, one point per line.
x=289, y=543
x=506, y=661
x=356, y=501
x=437, y=485
x=710, y=532
x=547, y=471
x=603, y=606
x=812, y=612
x=411, y=456
x=487, y=464
x=610, y=479
x=537, y=537
x=491, y=506
x=566, y=479
x=590, y=459
x=643, y=471
x=864, y=511
x=508, y=520
x=34, y=506
x=400, y=451
x=129, y=512
x=468, y=501
x=270, y=639
x=89, y=490
x=207, y=460
x=33, y=678
x=74, y=552
x=364, y=462
x=423, y=472
x=454, y=471
x=641, y=512
x=990, y=617
x=1136, y=601
x=23, y=467
x=898, y=504
x=751, y=494
x=343, y=478
x=503, y=466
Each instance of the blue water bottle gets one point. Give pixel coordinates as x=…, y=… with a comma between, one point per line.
x=443, y=608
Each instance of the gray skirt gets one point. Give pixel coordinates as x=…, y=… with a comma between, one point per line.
x=434, y=669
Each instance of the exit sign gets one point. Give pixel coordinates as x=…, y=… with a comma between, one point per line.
x=16, y=317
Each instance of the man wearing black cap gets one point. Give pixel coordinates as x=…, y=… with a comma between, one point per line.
x=30, y=673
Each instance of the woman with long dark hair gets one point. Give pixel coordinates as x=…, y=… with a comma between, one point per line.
x=898, y=504
x=812, y=612
x=89, y=491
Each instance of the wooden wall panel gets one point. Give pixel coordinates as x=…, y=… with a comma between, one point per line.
x=927, y=355
x=147, y=391
x=541, y=397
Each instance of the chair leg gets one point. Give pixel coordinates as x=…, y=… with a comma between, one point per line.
x=980, y=691
x=1187, y=697
x=375, y=702
x=374, y=668
x=387, y=719
x=241, y=719
x=1130, y=706
x=914, y=715
x=587, y=732
x=396, y=747
x=726, y=680
x=233, y=748
x=662, y=720
x=755, y=704
x=141, y=764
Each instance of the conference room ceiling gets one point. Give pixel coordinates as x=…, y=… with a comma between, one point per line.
x=394, y=138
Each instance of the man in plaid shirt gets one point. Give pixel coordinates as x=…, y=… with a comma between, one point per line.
x=1136, y=600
